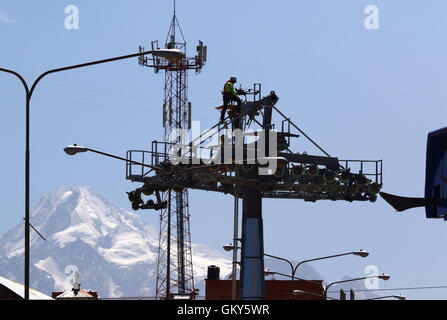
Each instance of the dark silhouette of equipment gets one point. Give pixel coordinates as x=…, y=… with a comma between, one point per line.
x=213, y=272
x=138, y=203
x=295, y=176
x=403, y=203
x=435, y=200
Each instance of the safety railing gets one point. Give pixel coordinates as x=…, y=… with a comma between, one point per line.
x=371, y=169
x=158, y=154
x=133, y=170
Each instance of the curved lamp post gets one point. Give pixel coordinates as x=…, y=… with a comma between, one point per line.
x=297, y=292
x=230, y=247
x=269, y=272
x=170, y=54
x=360, y=253
x=397, y=296
x=382, y=276
x=74, y=149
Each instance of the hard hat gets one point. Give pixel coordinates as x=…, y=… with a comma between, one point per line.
x=233, y=79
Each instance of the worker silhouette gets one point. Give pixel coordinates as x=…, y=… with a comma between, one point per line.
x=229, y=95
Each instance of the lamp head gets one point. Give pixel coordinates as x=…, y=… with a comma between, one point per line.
x=73, y=149
x=228, y=247
x=297, y=292
x=268, y=272
x=384, y=276
x=361, y=253
x=173, y=55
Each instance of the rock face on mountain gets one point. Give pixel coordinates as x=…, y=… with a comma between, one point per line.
x=114, y=251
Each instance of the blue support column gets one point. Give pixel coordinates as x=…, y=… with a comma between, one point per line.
x=252, y=253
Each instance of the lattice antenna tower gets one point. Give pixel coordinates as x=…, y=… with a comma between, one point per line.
x=175, y=269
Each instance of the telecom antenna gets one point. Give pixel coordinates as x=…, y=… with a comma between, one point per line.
x=175, y=269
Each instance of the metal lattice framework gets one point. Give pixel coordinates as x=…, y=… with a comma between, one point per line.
x=175, y=269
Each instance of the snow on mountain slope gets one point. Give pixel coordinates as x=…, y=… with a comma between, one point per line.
x=114, y=250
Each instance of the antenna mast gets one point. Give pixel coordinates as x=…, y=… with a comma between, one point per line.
x=175, y=270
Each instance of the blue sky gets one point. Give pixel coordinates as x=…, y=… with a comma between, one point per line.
x=361, y=94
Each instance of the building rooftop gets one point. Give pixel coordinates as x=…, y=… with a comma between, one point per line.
x=19, y=290
x=75, y=294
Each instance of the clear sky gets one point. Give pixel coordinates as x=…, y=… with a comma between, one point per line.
x=361, y=94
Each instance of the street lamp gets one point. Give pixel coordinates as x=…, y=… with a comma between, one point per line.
x=397, y=296
x=74, y=149
x=231, y=247
x=173, y=55
x=360, y=253
x=298, y=292
x=382, y=276
x=269, y=272
x=169, y=54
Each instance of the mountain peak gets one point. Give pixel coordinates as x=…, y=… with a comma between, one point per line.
x=114, y=249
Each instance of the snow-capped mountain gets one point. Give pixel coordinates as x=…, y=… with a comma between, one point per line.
x=114, y=250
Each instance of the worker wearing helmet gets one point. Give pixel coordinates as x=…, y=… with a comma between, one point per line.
x=229, y=95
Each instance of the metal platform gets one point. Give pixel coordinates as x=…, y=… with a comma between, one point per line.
x=299, y=176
